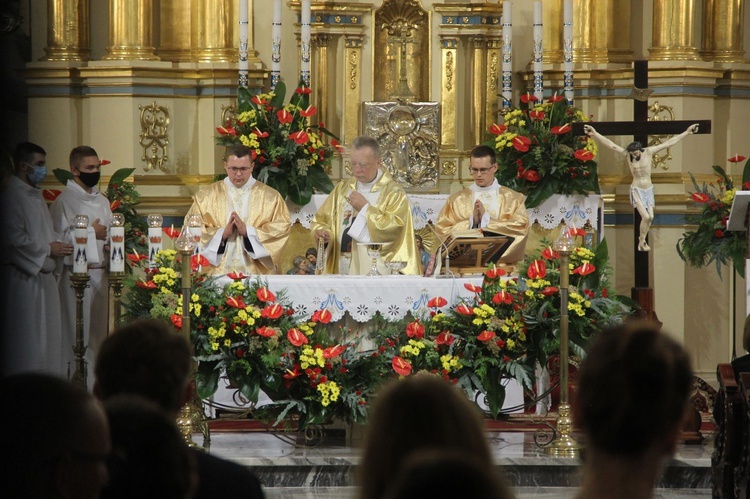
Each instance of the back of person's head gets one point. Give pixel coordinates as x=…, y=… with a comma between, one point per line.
x=418, y=412
x=25, y=152
x=438, y=474
x=55, y=441
x=79, y=153
x=632, y=390
x=149, y=456
x=145, y=358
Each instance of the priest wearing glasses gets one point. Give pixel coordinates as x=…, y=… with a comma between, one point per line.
x=488, y=206
x=369, y=207
x=245, y=223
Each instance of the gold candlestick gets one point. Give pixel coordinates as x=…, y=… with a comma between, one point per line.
x=79, y=282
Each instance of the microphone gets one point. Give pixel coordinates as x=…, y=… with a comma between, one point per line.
x=448, y=272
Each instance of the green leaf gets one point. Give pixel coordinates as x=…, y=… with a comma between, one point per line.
x=119, y=176
x=279, y=95
x=538, y=196
x=320, y=179
x=300, y=192
x=62, y=176
x=495, y=393
x=279, y=183
x=207, y=379
x=243, y=98
x=746, y=172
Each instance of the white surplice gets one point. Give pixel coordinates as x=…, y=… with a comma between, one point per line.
x=30, y=333
x=73, y=201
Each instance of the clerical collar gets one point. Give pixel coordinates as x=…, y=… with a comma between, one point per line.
x=493, y=186
x=369, y=185
x=250, y=182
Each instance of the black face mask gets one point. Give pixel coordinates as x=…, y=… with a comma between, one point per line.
x=89, y=179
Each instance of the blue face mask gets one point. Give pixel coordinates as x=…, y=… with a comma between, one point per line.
x=37, y=175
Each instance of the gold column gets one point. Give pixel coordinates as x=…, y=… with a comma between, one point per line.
x=131, y=30
x=584, y=34
x=67, y=31
x=174, y=30
x=448, y=46
x=478, y=96
x=723, y=30
x=352, y=85
x=212, y=28
x=552, y=32
x=672, y=35
x=494, y=60
x=320, y=42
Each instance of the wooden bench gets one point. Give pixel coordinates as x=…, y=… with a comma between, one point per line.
x=731, y=424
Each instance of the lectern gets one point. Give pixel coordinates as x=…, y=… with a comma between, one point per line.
x=471, y=254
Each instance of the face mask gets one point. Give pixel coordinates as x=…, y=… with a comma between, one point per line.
x=89, y=179
x=37, y=175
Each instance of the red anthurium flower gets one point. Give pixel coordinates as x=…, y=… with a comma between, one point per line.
x=303, y=90
x=146, y=285
x=300, y=137
x=561, y=130
x=257, y=100
x=445, y=338
x=198, y=261
x=464, y=309
x=537, y=270
x=537, y=115
x=171, y=232
x=496, y=129
x=114, y=205
x=284, y=116
x=550, y=254
x=401, y=366
x=500, y=343
x=272, y=311
x=494, y=273
x=236, y=276
x=473, y=288
x=521, y=143
x=322, y=316
x=701, y=197
x=576, y=232
x=136, y=257
x=746, y=186
x=486, y=336
x=266, y=332
x=415, y=330
x=51, y=194
x=549, y=291
x=335, y=143
x=531, y=175
x=555, y=98
x=261, y=135
x=583, y=155
x=176, y=321
x=502, y=297
x=332, y=352
x=584, y=269
x=719, y=233
x=437, y=302
x=310, y=111
x=736, y=158
x=527, y=97
x=236, y=302
x=227, y=130
x=105, y=162
x=265, y=295
x=292, y=374
x=296, y=337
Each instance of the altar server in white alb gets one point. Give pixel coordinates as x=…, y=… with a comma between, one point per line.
x=81, y=197
x=29, y=301
x=485, y=204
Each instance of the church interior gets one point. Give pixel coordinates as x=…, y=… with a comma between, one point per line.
x=148, y=82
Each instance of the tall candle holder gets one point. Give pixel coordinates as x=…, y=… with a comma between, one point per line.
x=564, y=445
x=79, y=280
x=155, y=222
x=117, y=262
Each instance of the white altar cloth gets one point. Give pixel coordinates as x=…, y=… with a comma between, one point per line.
x=362, y=296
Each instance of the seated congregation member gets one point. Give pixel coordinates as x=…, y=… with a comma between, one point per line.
x=487, y=205
x=630, y=403
x=148, y=359
x=245, y=223
x=370, y=207
x=739, y=365
x=418, y=413
x=56, y=439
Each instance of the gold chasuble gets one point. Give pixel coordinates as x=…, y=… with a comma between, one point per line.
x=505, y=214
x=388, y=221
x=268, y=225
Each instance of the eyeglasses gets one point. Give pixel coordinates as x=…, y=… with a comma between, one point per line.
x=475, y=171
x=360, y=166
x=234, y=169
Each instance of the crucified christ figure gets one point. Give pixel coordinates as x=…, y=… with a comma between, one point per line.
x=640, y=163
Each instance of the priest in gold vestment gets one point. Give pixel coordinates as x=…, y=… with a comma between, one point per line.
x=245, y=223
x=370, y=207
x=487, y=205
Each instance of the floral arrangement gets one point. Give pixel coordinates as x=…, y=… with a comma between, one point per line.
x=711, y=242
x=287, y=148
x=538, y=155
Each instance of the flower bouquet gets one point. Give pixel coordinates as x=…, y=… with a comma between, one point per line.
x=711, y=241
x=538, y=155
x=288, y=149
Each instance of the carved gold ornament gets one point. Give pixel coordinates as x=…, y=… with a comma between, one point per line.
x=154, y=136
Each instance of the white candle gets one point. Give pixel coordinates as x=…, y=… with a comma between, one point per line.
x=568, y=51
x=195, y=226
x=117, y=243
x=80, y=240
x=305, y=41
x=276, y=44
x=243, y=78
x=538, y=75
x=154, y=237
x=507, y=85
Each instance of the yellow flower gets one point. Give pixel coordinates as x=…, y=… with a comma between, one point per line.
x=728, y=197
x=227, y=342
x=195, y=297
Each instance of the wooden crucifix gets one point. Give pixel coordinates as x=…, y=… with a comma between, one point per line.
x=641, y=128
